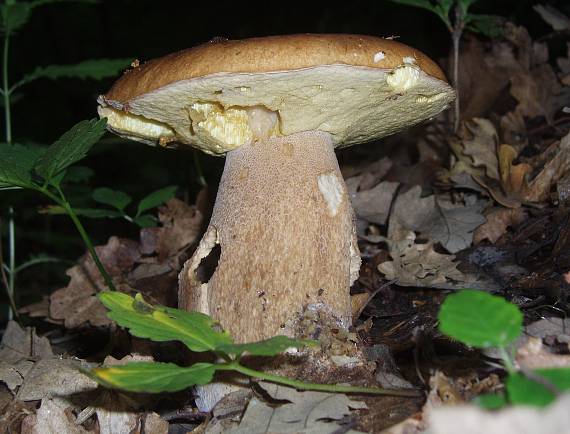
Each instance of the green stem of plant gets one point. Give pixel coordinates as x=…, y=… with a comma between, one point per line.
x=8, y=281
x=8, y=139
x=297, y=384
x=456, y=37
x=6, y=88
x=83, y=233
x=507, y=360
x=12, y=261
x=89, y=245
x=456, y=34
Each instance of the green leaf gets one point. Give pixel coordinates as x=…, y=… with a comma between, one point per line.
x=36, y=3
x=156, y=198
x=195, y=330
x=145, y=221
x=16, y=14
x=70, y=147
x=114, y=198
x=94, y=213
x=440, y=8
x=479, y=319
x=268, y=347
x=464, y=6
x=525, y=391
x=16, y=163
x=491, y=26
x=95, y=69
x=491, y=401
x=152, y=377
x=78, y=174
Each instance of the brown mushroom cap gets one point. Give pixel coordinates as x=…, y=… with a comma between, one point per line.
x=357, y=88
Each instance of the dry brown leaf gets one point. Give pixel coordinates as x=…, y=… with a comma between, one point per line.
x=155, y=275
x=55, y=377
x=536, y=92
x=485, y=70
x=417, y=264
x=498, y=220
x=539, y=188
x=557, y=327
x=438, y=218
x=154, y=424
x=76, y=304
x=35, y=310
x=12, y=374
x=374, y=205
x=476, y=146
x=496, y=192
x=22, y=344
x=506, y=156
x=181, y=225
x=53, y=417
x=358, y=302
x=298, y=412
x=513, y=130
x=557, y=20
x=513, y=177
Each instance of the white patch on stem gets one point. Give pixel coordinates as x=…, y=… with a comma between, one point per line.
x=332, y=191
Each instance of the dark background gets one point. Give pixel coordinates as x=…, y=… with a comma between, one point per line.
x=70, y=32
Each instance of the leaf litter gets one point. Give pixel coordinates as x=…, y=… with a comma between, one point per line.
x=485, y=208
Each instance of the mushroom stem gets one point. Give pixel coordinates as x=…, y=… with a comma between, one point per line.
x=285, y=227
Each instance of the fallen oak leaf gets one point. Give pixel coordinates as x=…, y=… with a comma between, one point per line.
x=373, y=205
x=417, y=264
x=301, y=411
x=535, y=91
x=476, y=145
x=498, y=220
x=438, y=218
x=539, y=187
x=513, y=177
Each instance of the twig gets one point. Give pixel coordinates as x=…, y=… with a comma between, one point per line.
x=373, y=294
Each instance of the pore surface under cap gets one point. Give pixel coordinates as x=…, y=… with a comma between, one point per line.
x=357, y=88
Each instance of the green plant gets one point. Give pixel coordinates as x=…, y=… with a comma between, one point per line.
x=13, y=16
x=43, y=170
x=199, y=333
x=120, y=201
x=482, y=320
x=457, y=18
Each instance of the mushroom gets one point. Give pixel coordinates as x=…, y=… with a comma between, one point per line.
x=277, y=107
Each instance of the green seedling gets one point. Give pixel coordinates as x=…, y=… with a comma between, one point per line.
x=484, y=321
x=457, y=18
x=199, y=333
